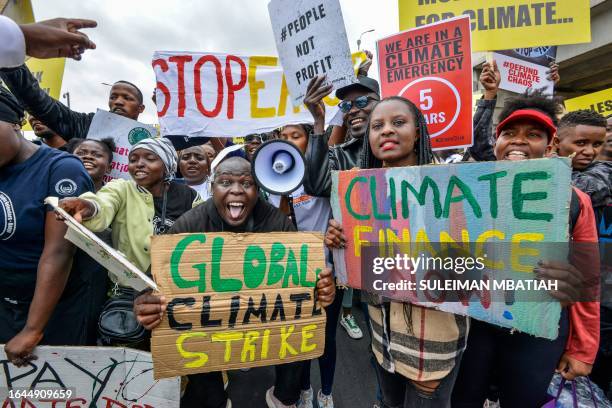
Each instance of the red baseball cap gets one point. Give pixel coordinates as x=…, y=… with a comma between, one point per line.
x=532, y=114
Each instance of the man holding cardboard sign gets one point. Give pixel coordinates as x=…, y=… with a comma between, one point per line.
x=294, y=324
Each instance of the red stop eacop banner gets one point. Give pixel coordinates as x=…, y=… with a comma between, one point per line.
x=432, y=66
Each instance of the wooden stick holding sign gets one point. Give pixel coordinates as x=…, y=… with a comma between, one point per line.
x=237, y=301
x=126, y=273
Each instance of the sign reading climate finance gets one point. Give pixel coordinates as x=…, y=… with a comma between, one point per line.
x=432, y=67
x=236, y=301
x=507, y=208
x=503, y=24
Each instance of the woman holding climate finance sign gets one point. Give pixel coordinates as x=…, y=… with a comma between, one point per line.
x=235, y=206
x=397, y=137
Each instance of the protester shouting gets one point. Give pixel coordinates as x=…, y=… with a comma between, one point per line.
x=194, y=165
x=235, y=207
x=521, y=365
x=427, y=344
x=39, y=297
x=125, y=99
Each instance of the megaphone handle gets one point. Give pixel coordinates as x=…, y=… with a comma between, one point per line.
x=286, y=207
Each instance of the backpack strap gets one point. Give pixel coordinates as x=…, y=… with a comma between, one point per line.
x=574, y=211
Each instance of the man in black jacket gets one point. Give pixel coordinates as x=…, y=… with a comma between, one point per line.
x=125, y=99
x=234, y=207
x=358, y=99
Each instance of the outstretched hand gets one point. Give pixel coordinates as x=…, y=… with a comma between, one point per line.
x=59, y=37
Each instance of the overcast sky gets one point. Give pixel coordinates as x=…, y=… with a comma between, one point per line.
x=129, y=31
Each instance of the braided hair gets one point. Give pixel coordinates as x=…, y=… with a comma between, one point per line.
x=424, y=156
x=422, y=147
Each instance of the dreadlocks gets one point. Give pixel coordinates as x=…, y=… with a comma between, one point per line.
x=422, y=148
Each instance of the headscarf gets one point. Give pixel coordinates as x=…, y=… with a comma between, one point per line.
x=10, y=110
x=163, y=148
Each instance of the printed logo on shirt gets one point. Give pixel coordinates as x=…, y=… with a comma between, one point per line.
x=137, y=134
x=8, y=221
x=65, y=187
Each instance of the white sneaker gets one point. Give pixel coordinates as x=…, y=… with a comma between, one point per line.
x=273, y=402
x=351, y=327
x=325, y=401
x=306, y=397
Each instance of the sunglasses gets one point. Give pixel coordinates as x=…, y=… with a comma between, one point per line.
x=359, y=102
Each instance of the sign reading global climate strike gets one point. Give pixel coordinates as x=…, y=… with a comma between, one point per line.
x=504, y=215
x=237, y=300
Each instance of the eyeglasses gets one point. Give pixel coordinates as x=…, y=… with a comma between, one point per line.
x=360, y=102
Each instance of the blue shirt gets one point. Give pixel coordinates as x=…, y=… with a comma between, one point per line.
x=23, y=188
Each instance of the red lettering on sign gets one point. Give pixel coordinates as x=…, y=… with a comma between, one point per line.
x=80, y=400
x=198, y=85
x=180, y=61
x=110, y=403
x=163, y=65
x=231, y=86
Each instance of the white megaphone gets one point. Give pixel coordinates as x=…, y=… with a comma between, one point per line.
x=278, y=167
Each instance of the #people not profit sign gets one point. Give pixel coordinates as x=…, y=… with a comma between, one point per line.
x=237, y=300
x=432, y=67
x=311, y=40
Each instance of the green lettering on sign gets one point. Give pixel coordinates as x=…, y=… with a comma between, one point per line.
x=493, y=189
x=519, y=198
x=466, y=194
x=217, y=282
x=347, y=199
x=175, y=260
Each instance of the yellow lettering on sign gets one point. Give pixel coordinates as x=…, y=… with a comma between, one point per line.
x=284, y=95
x=479, y=249
x=307, y=334
x=200, y=358
x=249, y=347
x=227, y=337
x=519, y=251
x=265, y=345
x=357, y=237
x=286, y=331
x=255, y=86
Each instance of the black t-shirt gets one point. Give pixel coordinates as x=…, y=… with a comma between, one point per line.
x=205, y=218
x=180, y=199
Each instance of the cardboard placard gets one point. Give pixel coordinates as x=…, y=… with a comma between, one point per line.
x=432, y=67
x=488, y=203
x=311, y=40
x=236, y=301
x=503, y=24
x=124, y=272
x=600, y=102
x=125, y=132
x=226, y=95
x=92, y=376
x=518, y=75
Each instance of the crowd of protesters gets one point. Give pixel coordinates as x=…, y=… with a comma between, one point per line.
x=54, y=294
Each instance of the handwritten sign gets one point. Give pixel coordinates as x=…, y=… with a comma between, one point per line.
x=123, y=271
x=518, y=75
x=506, y=204
x=600, y=102
x=226, y=95
x=503, y=24
x=88, y=377
x=311, y=40
x=432, y=67
x=237, y=300
x=125, y=132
